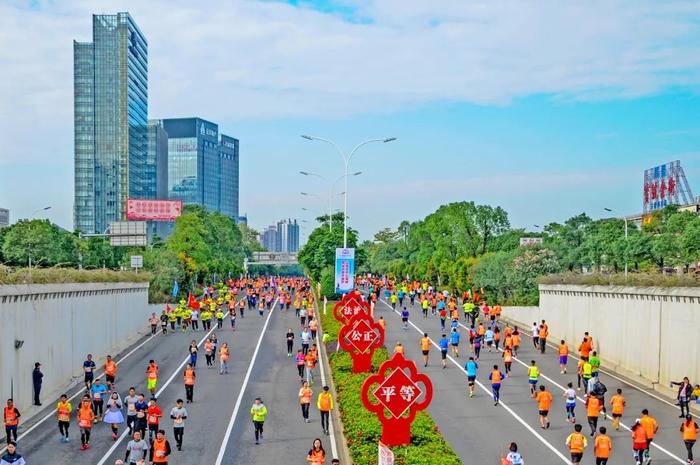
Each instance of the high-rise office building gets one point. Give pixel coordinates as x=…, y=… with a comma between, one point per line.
x=287, y=236
x=268, y=238
x=202, y=165
x=4, y=217
x=158, y=172
x=110, y=122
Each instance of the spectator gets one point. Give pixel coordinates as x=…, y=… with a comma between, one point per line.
x=37, y=377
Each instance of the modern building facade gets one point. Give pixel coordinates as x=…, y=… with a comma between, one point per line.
x=202, y=165
x=158, y=172
x=282, y=237
x=4, y=217
x=110, y=122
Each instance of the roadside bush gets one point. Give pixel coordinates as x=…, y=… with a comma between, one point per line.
x=68, y=275
x=619, y=279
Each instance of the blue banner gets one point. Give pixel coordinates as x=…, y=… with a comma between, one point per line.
x=176, y=289
x=344, y=270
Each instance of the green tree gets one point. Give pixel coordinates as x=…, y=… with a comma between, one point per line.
x=319, y=251
x=45, y=243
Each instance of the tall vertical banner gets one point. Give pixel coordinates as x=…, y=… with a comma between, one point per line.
x=344, y=270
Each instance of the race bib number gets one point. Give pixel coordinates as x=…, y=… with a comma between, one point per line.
x=153, y=418
x=178, y=421
x=83, y=423
x=131, y=408
x=98, y=396
x=140, y=415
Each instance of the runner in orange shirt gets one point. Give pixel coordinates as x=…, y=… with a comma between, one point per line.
x=544, y=402
x=602, y=447
x=425, y=347
x=563, y=356
x=593, y=406
x=618, y=406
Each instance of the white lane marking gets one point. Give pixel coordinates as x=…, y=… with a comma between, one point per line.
x=612, y=375
x=501, y=403
x=334, y=448
x=52, y=414
x=232, y=421
x=177, y=372
x=583, y=401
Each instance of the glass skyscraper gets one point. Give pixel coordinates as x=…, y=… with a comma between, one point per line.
x=111, y=122
x=202, y=165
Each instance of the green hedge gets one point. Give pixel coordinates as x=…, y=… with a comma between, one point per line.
x=362, y=429
x=619, y=279
x=68, y=275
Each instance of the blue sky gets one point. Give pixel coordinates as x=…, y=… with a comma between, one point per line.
x=547, y=110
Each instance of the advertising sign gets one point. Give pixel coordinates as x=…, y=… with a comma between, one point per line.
x=158, y=210
x=665, y=185
x=344, y=270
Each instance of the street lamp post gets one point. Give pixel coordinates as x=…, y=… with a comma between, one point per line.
x=346, y=161
x=331, y=189
x=626, y=236
x=29, y=255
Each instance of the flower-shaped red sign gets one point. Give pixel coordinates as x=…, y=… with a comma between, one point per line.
x=399, y=393
x=349, y=306
x=361, y=336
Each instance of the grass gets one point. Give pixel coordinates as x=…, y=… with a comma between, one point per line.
x=66, y=275
x=619, y=279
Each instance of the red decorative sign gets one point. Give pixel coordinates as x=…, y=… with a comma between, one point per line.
x=399, y=393
x=361, y=336
x=350, y=305
x=159, y=210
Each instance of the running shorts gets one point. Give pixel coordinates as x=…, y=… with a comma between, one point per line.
x=471, y=379
x=444, y=354
x=563, y=359
x=426, y=352
x=109, y=378
x=151, y=384
x=532, y=381
x=544, y=413
x=576, y=457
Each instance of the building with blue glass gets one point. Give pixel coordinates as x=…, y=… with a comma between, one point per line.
x=202, y=165
x=110, y=122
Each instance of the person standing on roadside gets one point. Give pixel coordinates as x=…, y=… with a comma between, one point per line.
x=685, y=390
x=290, y=341
x=37, y=379
x=258, y=412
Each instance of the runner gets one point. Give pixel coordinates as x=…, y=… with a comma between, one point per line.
x=152, y=377
x=425, y=348
x=305, y=395
x=301, y=361
x=544, y=402
x=154, y=416
x=232, y=315
x=141, y=423
x=404, y=318
x=543, y=332
x=154, y=323
x=136, y=450
x=398, y=348
x=290, y=341
x=533, y=375
x=650, y=428
x=602, y=447
x=454, y=342
x=488, y=338
x=313, y=327
x=570, y=396
x=64, y=410
x=471, y=368
x=89, y=370
x=160, y=449
x=324, y=403
x=424, y=306
x=598, y=389
x=11, y=418
x=305, y=337
x=110, y=369
x=209, y=353
x=563, y=356
x=689, y=430
x=114, y=416
x=477, y=345
x=193, y=349
x=507, y=360
x=496, y=376
x=12, y=457
x=190, y=378
x=535, y=335
x=444, y=346
x=178, y=414
x=516, y=341
x=593, y=406
x=219, y=318
x=618, y=406
x=316, y=455
x=639, y=441
x=130, y=401
x=594, y=360
x=223, y=358
x=258, y=412
x=310, y=363
x=513, y=457
x=85, y=418
x=577, y=443
x=98, y=391
x=164, y=322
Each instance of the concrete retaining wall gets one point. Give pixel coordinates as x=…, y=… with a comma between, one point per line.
x=650, y=333
x=60, y=324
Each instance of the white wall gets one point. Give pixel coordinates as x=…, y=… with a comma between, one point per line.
x=651, y=333
x=60, y=324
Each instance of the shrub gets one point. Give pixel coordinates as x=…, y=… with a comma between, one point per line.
x=619, y=279
x=68, y=275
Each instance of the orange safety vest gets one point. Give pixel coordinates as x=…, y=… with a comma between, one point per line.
x=508, y=356
x=577, y=443
x=305, y=395
x=110, y=368
x=495, y=377
x=85, y=416
x=639, y=438
x=618, y=404
x=543, y=333
x=223, y=354
x=208, y=347
x=153, y=372
x=593, y=407
x=563, y=349
x=425, y=343
x=516, y=340
x=324, y=402
x=189, y=377
x=690, y=431
x=508, y=342
x=159, y=450
x=317, y=457
x=10, y=416
x=603, y=446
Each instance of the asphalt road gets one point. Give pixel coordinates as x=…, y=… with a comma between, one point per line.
x=478, y=431
x=266, y=372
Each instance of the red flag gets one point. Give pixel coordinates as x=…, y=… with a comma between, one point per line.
x=167, y=308
x=192, y=302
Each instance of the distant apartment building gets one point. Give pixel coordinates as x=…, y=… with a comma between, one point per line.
x=282, y=237
x=4, y=217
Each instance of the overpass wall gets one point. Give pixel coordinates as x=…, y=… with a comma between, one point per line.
x=60, y=324
x=646, y=333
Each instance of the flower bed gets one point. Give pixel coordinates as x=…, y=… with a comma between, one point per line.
x=362, y=429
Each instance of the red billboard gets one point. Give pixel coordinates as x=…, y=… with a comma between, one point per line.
x=158, y=210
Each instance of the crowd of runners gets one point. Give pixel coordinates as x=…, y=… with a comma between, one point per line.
x=138, y=410
x=466, y=314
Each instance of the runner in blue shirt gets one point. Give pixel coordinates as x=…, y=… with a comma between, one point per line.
x=98, y=392
x=404, y=318
x=488, y=338
x=454, y=342
x=444, y=345
x=471, y=367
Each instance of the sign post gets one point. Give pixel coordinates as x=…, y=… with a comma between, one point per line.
x=344, y=270
x=396, y=390
x=360, y=337
x=136, y=262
